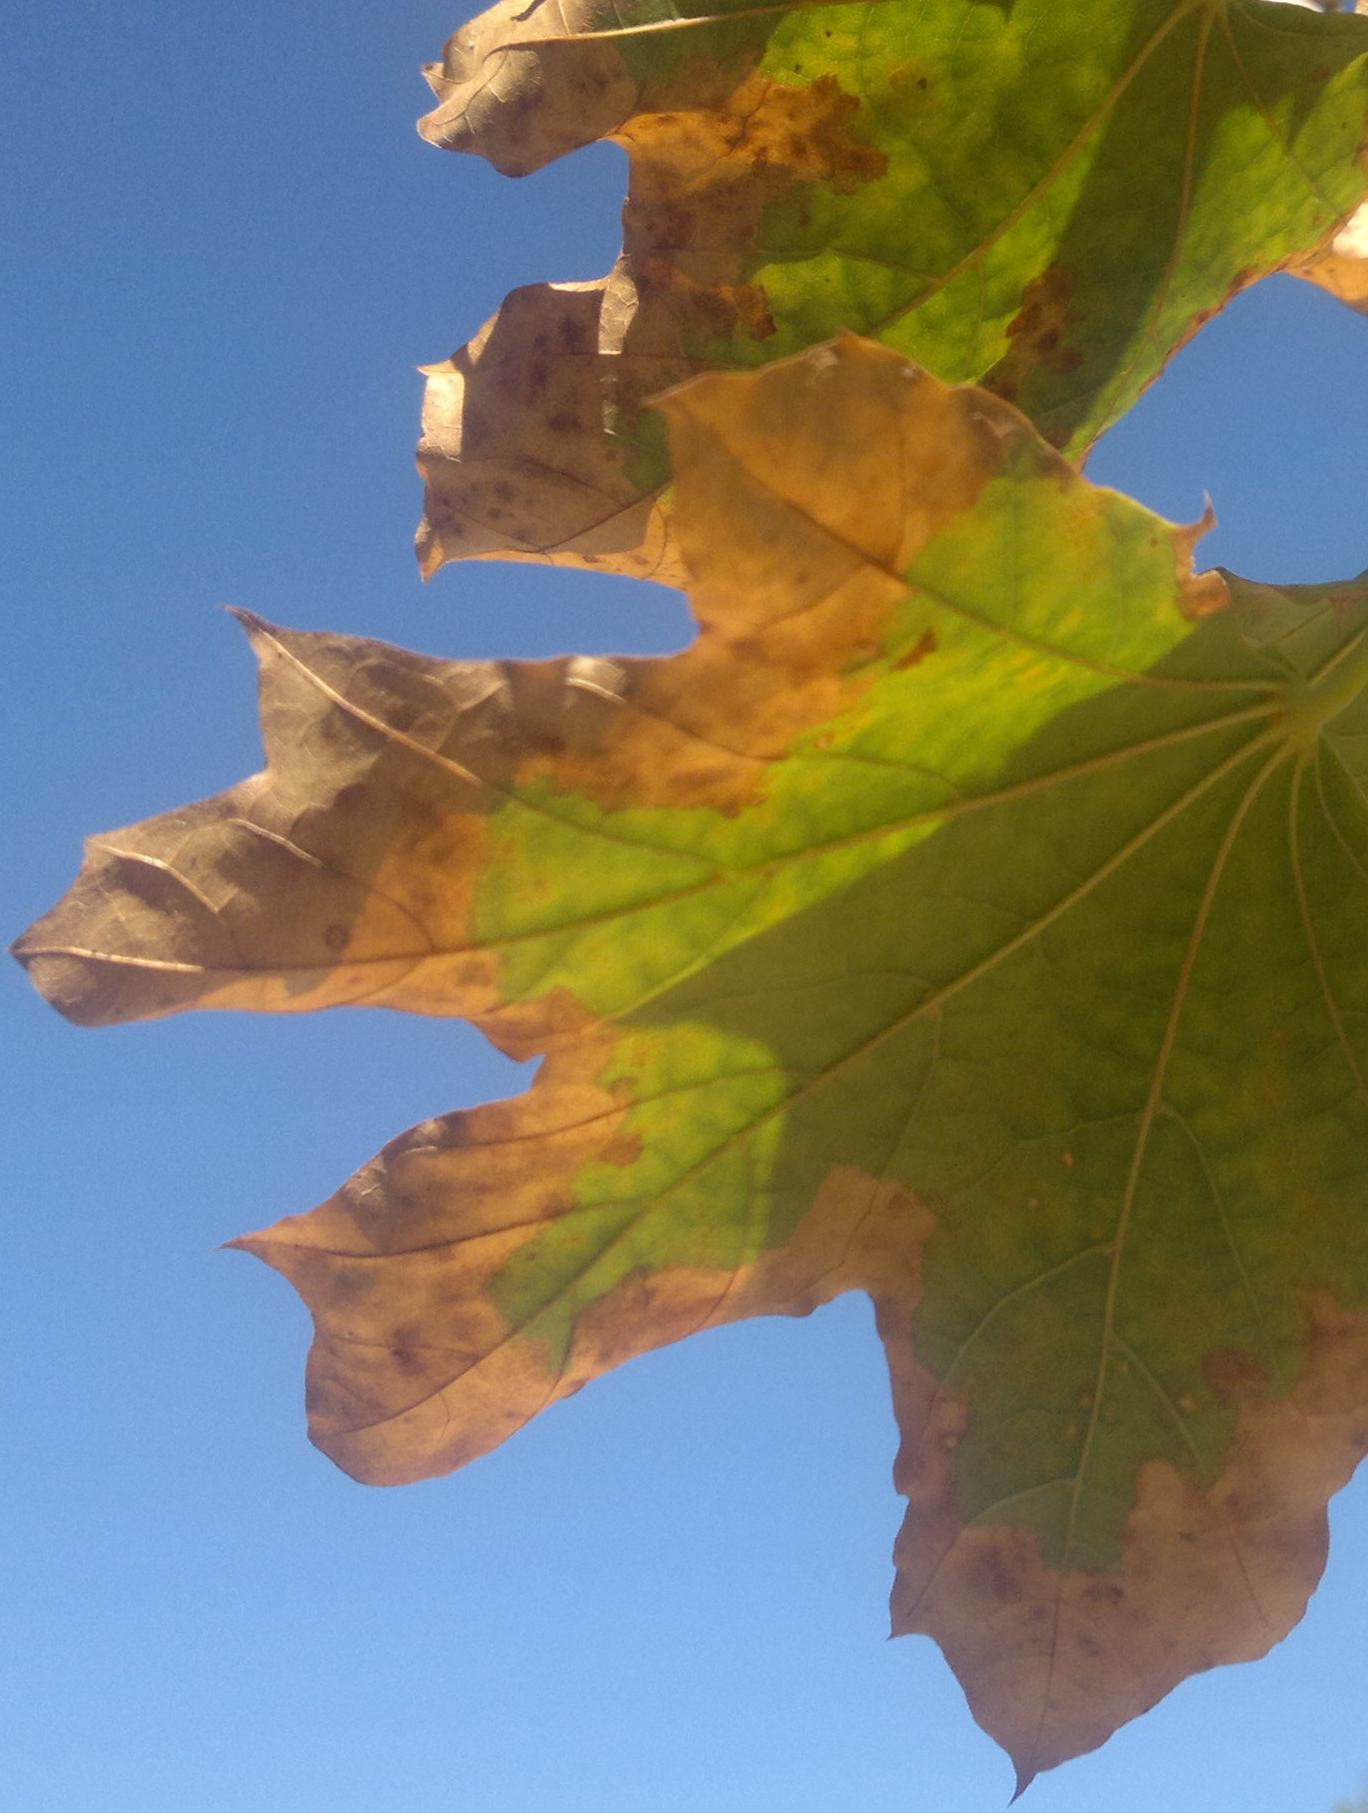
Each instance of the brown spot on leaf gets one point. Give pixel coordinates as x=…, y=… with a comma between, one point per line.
x=1235, y=1375
x=926, y=644
x=910, y=80
x=995, y=1579
x=1039, y=333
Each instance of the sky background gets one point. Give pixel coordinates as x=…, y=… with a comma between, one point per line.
x=223, y=251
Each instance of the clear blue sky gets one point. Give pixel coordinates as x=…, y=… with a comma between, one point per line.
x=225, y=251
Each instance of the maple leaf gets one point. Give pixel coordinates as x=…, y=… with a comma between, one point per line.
x=1047, y=198
x=972, y=916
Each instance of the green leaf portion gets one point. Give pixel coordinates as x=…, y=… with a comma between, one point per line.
x=978, y=1008
x=850, y=794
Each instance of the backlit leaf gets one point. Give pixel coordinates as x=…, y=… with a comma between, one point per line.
x=973, y=916
x=1047, y=198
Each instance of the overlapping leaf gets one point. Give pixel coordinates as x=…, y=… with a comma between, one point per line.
x=1046, y=198
x=974, y=916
